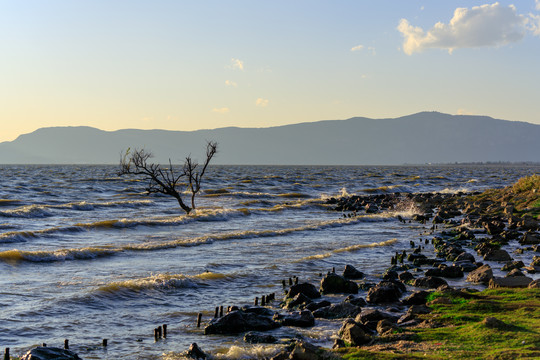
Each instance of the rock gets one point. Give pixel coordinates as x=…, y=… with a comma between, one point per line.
x=445, y=271
x=300, y=300
x=511, y=265
x=494, y=323
x=390, y=274
x=239, y=321
x=317, y=305
x=354, y=334
x=357, y=301
x=515, y=272
x=307, y=289
x=50, y=353
x=527, y=223
x=418, y=309
x=530, y=239
x=465, y=256
x=195, y=352
x=510, y=282
x=466, y=266
x=497, y=255
x=431, y=282
x=536, y=261
x=306, y=351
x=302, y=318
x=351, y=272
x=535, y=284
x=338, y=311
x=482, y=275
x=370, y=317
x=440, y=301
x=494, y=227
x=384, y=292
x=335, y=284
x=385, y=326
x=416, y=298
x=405, y=276
x=257, y=338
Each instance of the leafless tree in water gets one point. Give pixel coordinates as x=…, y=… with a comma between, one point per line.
x=167, y=180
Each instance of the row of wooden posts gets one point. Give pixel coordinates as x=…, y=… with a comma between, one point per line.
x=265, y=300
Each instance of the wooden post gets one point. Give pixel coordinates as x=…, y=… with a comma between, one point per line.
x=164, y=330
x=66, y=344
x=44, y=345
x=216, y=313
x=156, y=334
x=284, y=283
x=290, y=281
x=296, y=280
x=333, y=270
x=160, y=332
x=221, y=311
x=256, y=301
x=6, y=354
x=199, y=318
x=263, y=300
x=105, y=342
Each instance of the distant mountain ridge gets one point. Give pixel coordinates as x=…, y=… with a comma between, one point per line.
x=425, y=137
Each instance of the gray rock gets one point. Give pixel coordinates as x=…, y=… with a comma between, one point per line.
x=497, y=255
x=465, y=256
x=354, y=334
x=50, y=353
x=195, y=352
x=482, y=275
x=431, y=282
x=335, y=284
x=257, y=338
x=307, y=289
x=351, y=272
x=338, y=311
x=416, y=298
x=384, y=292
x=239, y=321
x=510, y=282
x=302, y=318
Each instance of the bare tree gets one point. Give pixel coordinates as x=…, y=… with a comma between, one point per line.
x=166, y=180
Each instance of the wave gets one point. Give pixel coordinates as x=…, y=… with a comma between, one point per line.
x=8, y=202
x=41, y=211
x=351, y=248
x=29, y=211
x=161, y=282
x=56, y=255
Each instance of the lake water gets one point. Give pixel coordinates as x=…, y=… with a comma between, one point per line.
x=86, y=255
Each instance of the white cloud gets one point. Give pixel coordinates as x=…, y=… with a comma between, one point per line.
x=237, y=64
x=538, y=5
x=485, y=25
x=357, y=48
x=222, y=110
x=533, y=24
x=261, y=102
x=230, y=83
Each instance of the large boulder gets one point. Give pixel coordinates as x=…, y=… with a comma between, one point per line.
x=351, y=272
x=239, y=321
x=530, y=238
x=302, y=318
x=510, y=282
x=482, y=275
x=335, y=284
x=50, y=353
x=430, y=282
x=416, y=298
x=300, y=300
x=195, y=352
x=338, y=311
x=385, y=292
x=370, y=317
x=354, y=334
x=307, y=289
x=497, y=255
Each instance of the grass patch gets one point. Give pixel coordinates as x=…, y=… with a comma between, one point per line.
x=465, y=333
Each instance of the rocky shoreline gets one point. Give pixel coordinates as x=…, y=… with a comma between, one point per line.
x=459, y=228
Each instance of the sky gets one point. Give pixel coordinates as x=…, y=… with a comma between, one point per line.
x=188, y=65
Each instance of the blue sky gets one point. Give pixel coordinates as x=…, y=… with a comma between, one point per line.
x=186, y=65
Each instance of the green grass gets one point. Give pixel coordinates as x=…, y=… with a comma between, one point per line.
x=463, y=334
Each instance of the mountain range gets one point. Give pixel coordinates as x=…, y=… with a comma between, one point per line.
x=425, y=137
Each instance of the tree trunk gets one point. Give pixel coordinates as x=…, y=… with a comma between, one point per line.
x=184, y=207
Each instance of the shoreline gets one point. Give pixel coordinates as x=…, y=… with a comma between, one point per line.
x=447, y=237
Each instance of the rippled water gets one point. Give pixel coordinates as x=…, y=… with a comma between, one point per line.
x=86, y=255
